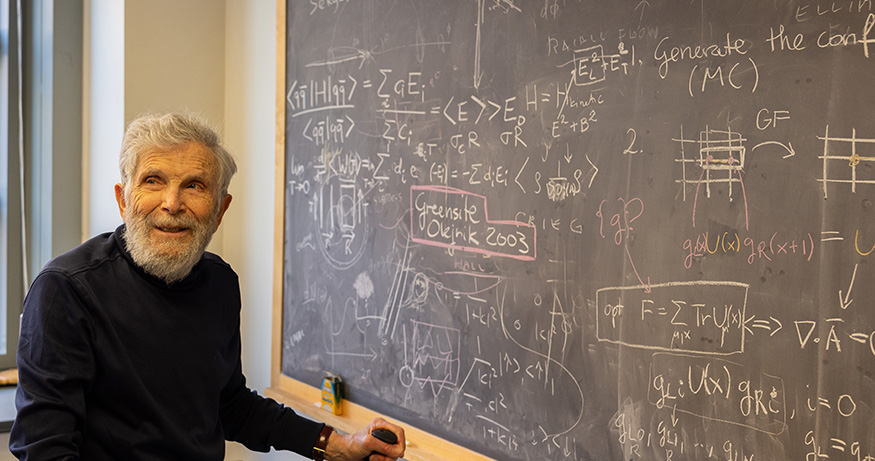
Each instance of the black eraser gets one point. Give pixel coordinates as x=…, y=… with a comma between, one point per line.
x=385, y=435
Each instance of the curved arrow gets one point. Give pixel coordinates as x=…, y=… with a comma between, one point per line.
x=788, y=147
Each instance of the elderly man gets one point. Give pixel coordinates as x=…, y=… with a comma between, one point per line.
x=130, y=343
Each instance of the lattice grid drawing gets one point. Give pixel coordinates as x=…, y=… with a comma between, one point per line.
x=845, y=160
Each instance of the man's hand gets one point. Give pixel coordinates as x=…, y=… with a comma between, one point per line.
x=363, y=445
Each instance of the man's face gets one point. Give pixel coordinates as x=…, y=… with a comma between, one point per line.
x=171, y=209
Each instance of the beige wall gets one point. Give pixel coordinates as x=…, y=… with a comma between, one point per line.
x=175, y=57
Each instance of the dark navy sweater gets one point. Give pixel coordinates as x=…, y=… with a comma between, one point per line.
x=115, y=364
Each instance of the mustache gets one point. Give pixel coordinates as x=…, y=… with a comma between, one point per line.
x=172, y=222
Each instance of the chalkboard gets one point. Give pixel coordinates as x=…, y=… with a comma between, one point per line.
x=586, y=230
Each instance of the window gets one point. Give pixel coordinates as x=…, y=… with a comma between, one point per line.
x=40, y=172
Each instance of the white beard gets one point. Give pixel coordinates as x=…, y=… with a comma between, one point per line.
x=167, y=260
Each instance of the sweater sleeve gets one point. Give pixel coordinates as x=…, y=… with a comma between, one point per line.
x=56, y=367
x=260, y=423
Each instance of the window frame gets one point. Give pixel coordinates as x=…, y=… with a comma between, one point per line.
x=11, y=268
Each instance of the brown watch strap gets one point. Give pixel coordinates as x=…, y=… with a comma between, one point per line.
x=322, y=442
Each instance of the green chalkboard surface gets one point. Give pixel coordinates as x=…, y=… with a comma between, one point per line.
x=587, y=230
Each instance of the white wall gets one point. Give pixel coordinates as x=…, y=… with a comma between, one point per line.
x=103, y=112
x=217, y=58
x=250, y=120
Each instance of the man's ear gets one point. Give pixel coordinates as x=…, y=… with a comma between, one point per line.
x=226, y=202
x=120, y=198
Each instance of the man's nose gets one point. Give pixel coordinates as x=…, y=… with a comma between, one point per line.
x=173, y=202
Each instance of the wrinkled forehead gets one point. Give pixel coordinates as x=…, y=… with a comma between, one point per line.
x=191, y=159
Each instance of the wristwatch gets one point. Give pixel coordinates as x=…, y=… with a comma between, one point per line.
x=322, y=442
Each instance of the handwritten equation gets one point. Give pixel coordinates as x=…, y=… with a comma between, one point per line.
x=573, y=231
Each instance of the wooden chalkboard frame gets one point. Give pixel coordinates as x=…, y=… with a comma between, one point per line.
x=296, y=394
